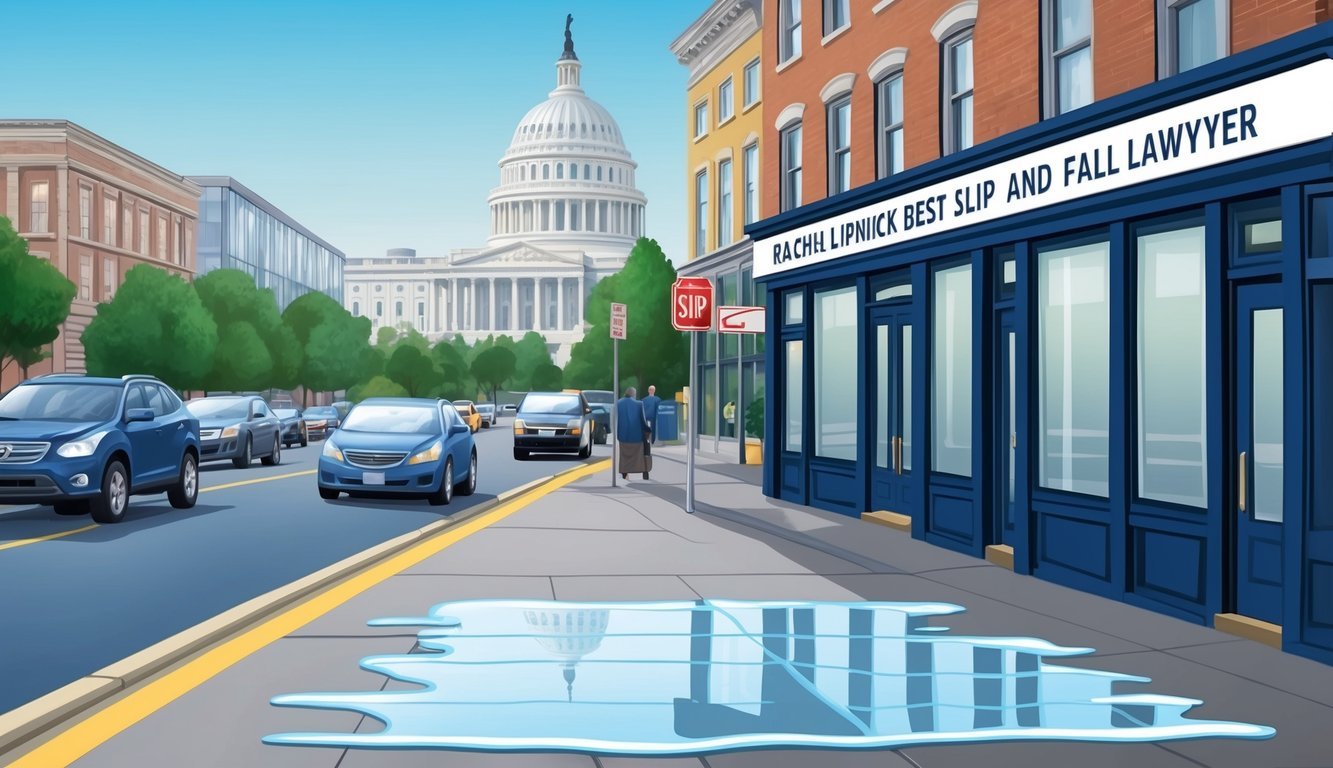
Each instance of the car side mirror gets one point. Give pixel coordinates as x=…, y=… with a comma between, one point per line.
x=458, y=429
x=138, y=414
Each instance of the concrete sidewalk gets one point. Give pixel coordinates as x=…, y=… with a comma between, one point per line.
x=588, y=541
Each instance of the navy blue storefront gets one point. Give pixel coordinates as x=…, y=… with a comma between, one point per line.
x=1103, y=344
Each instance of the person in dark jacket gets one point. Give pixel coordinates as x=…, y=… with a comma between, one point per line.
x=650, y=404
x=632, y=433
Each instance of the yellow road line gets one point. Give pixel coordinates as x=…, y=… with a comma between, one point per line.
x=101, y=726
x=239, y=483
x=24, y=542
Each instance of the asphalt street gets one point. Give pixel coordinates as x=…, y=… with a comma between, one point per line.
x=90, y=595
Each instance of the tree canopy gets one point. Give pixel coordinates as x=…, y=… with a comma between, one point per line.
x=547, y=378
x=256, y=350
x=413, y=371
x=492, y=368
x=334, y=343
x=34, y=300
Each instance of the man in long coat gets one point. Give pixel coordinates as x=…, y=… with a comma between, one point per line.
x=632, y=432
x=650, y=406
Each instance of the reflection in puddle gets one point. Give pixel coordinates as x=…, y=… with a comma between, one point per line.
x=682, y=677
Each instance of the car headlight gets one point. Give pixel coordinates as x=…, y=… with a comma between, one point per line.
x=232, y=431
x=519, y=426
x=430, y=454
x=80, y=448
x=575, y=426
x=332, y=450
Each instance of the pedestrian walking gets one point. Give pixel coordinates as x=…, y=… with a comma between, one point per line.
x=650, y=404
x=632, y=432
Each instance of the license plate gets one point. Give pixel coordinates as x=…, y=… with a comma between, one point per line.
x=546, y=432
x=372, y=478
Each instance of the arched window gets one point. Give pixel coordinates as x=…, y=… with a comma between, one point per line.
x=379, y=309
x=559, y=171
x=586, y=170
x=522, y=173
x=546, y=171
x=398, y=309
x=356, y=308
x=599, y=173
x=573, y=170
x=533, y=171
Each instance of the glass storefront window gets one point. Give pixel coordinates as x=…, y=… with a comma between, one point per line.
x=753, y=386
x=727, y=297
x=1172, y=370
x=793, y=307
x=730, y=399
x=951, y=374
x=708, y=400
x=794, y=375
x=1258, y=226
x=1074, y=405
x=836, y=376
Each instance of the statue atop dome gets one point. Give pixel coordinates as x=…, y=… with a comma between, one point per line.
x=569, y=39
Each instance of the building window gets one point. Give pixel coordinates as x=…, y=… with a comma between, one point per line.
x=835, y=373
x=1172, y=368
x=109, y=276
x=726, y=101
x=356, y=308
x=176, y=241
x=700, y=119
x=1074, y=368
x=86, y=277
x=85, y=212
x=791, y=166
x=1190, y=33
x=127, y=228
x=700, y=213
x=559, y=170
x=750, y=158
x=835, y=15
x=546, y=171
x=599, y=173
x=398, y=310
x=751, y=84
x=951, y=372
x=793, y=307
x=957, y=123
x=143, y=233
x=573, y=170
x=379, y=309
x=39, y=207
x=109, y=221
x=1067, y=39
x=840, y=145
x=795, y=399
x=161, y=238
x=889, y=146
x=789, y=30
x=421, y=310
x=724, y=199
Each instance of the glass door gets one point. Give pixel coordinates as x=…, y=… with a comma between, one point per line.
x=1006, y=431
x=1257, y=466
x=891, y=409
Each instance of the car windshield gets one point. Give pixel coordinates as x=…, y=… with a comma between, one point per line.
x=593, y=396
x=565, y=405
x=61, y=402
x=392, y=418
x=322, y=412
x=284, y=413
x=485, y=408
x=220, y=408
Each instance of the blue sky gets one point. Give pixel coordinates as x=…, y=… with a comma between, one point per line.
x=377, y=124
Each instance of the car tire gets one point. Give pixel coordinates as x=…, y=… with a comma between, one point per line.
x=274, y=458
x=445, y=493
x=71, y=507
x=109, y=506
x=328, y=494
x=469, y=486
x=520, y=454
x=185, y=492
x=305, y=438
x=245, y=459
x=586, y=450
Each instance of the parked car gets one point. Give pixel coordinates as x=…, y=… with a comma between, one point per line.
x=488, y=415
x=467, y=410
x=237, y=428
x=408, y=446
x=321, y=420
x=553, y=422
x=293, y=427
x=84, y=445
x=508, y=409
x=602, y=401
x=343, y=407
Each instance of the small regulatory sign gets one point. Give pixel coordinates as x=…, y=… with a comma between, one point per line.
x=619, y=314
x=740, y=319
x=692, y=304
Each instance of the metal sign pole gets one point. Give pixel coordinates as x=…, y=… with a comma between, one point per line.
x=689, y=435
x=615, y=389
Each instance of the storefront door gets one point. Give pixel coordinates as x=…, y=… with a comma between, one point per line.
x=891, y=409
x=1006, y=432
x=1257, y=467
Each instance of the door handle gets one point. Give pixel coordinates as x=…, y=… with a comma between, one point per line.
x=898, y=454
x=1013, y=440
x=1243, y=485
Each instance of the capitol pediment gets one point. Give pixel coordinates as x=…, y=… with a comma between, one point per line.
x=519, y=254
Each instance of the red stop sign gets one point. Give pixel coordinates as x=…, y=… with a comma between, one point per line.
x=692, y=304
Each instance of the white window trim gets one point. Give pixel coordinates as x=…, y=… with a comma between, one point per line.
x=894, y=58
x=830, y=151
x=962, y=14
x=694, y=119
x=881, y=5
x=881, y=146
x=835, y=34
x=790, y=114
x=839, y=86
x=1166, y=38
x=787, y=64
x=951, y=39
x=758, y=88
x=721, y=120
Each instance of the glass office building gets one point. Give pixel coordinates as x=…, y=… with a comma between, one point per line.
x=238, y=229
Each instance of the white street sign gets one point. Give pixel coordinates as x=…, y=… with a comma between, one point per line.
x=740, y=319
x=618, y=317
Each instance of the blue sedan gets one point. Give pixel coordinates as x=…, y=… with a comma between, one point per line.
x=400, y=446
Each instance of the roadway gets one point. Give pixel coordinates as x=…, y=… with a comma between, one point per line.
x=78, y=596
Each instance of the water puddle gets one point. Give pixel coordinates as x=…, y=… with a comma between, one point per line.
x=689, y=677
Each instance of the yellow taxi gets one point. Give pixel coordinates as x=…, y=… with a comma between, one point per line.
x=467, y=410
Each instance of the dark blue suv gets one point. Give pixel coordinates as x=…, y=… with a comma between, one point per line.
x=84, y=445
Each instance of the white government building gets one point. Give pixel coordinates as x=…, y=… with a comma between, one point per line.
x=565, y=215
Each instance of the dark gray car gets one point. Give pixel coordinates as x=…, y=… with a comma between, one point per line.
x=237, y=428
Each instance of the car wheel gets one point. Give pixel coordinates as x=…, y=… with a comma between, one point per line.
x=109, y=506
x=71, y=507
x=328, y=494
x=274, y=458
x=446, y=492
x=520, y=454
x=586, y=450
x=469, y=485
x=244, y=460
x=305, y=438
x=186, y=490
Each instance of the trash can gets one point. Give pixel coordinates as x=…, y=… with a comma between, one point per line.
x=668, y=425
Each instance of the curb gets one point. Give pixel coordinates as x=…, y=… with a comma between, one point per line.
x=55, y=708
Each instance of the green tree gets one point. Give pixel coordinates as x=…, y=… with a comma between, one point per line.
x=377, y=386
x=547, y=378
x=34, y=301
x=530, y=353
x=156, y=325
x=332, y=340
x=754, y=417
x=251, y=314
x=653, y=352
x=386, y=337
x=414, y=371
x=492, y=368
x=453, y=367
x=241, y=361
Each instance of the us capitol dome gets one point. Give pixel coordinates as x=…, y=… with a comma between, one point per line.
x=565, y=214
